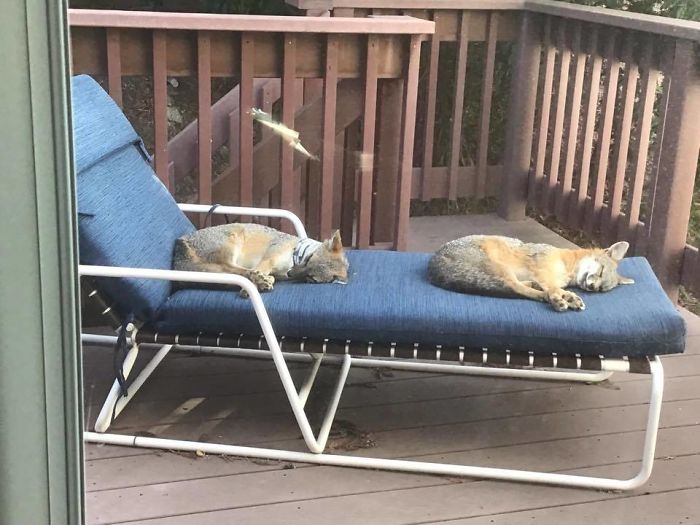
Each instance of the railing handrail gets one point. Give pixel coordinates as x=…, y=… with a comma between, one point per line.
x=666, y=26
x=279, y=24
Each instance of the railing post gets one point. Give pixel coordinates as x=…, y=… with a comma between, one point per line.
x=523, y=97
x=677, y=164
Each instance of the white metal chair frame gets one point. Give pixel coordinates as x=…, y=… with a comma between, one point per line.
x=115, y=403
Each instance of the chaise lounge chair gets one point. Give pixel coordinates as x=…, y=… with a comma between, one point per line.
x=388, y=315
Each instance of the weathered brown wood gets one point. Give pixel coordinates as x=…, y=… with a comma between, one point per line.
x=612, y=71
x=650, y=76
x=257, y=23
x=246, y=122
x=328, y=150
x=429, y=120
x=366, y=157
x=204, y=117
x=289, y=187
x=114, y=64
x=564, y=195
x=550, y=186
x=577, y=211
x=160, y=108
x=352, y=149
x=537, y=182
x=677, y=166
x=523, y=100
x=612, y=215
x=467, y=181
x=486, y=97
x=458, y=108
x=89, y=58
x=408, y=133
x=388, y=151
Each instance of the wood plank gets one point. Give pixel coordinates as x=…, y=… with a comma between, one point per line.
x=258, y=23
x=486, y=97
x=408, y=129
x=458, y=107
x=160, y=108
x=114, y=64
x=395, y=503
x=245, y=194
x=678, y=163
x=204, y=163
x=352, y=149
x=650, y=77
x=578, y=212
x=330, y=83
x=564, y=195
x=366, y=160
x=429, y=119
x=642, y=509
x=551, y=186
x=388, y=159
x=518, y=182
x=537, y=181
x=612, y=71
x=290, y=198
x=612, y=217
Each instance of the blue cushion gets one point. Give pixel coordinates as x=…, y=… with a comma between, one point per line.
x=126, y=217
x=389, y=299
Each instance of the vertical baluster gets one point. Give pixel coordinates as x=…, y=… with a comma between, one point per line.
x=458, y=109
x=558, y=133
x=610, y=219
x=408, y=131
x=246, y=122
x=650, y=77
x=543, y=132
x=328, y=148
x=486, y=97
x=678, y=160
x=429, y=130
x=564, y=195
x=114, y=64
x=366, y=159
x=289, y=186
x=578, y=210
x=204, y=115
x=160, y=106
x=612, y=70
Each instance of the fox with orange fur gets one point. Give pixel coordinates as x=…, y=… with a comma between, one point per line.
x=261, y=254
x=502, y=266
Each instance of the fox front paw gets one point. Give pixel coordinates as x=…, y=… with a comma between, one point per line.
x=263, y=282
x=564, y=300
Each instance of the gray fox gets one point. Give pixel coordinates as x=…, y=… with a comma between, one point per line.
x=261, y=254
x=502, y=266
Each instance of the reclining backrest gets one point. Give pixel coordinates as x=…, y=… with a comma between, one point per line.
x=126, y=217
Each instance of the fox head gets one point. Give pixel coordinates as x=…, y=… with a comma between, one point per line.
x=598, y=272
x=327, y=264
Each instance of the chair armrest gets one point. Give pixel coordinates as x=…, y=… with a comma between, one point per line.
x=168, y=275
x=259, y=212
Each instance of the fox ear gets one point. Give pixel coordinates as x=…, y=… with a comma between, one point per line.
x=624, y=280
x=618, y=250
x=336, y=243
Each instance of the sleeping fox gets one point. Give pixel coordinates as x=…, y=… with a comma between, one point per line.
x=502, y=266
x=261, y=254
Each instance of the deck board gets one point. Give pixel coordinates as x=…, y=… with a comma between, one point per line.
x=591, y=429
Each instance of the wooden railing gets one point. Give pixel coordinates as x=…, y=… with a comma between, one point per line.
x=332, y=73
x=602, y=129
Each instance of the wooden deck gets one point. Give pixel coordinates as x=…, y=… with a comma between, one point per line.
x=587, y=429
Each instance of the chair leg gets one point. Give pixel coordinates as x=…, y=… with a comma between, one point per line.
x=547, y=478
x=115, y=402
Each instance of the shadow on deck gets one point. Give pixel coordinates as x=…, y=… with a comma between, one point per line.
x=586, y=429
